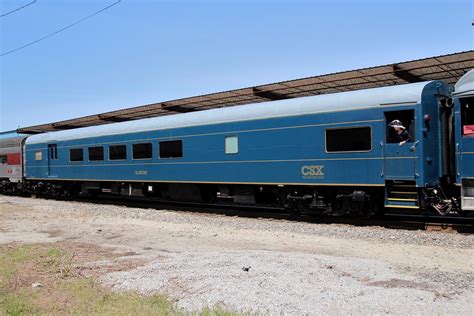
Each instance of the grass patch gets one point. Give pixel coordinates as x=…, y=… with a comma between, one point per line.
x=9, y=261
x=14, y=304
x=91, y=298
x=65, y=290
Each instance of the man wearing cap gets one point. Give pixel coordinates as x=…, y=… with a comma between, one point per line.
x=400, y=135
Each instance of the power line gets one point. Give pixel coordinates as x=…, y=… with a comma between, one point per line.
x=60, y=30
x=18, y=9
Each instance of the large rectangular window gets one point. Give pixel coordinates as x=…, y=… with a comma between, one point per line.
x=76, y=154
x=118, y=152
x=53, y=151
x=348, y=139
x=142, y=151
x=96, y=153
x=171, y=149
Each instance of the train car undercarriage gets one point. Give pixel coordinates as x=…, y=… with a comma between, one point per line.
x=323, y=200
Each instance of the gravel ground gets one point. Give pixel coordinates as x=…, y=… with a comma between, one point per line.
x=295, y=283
x=295, y=268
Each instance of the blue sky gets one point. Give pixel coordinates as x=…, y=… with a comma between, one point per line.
x=143, y=51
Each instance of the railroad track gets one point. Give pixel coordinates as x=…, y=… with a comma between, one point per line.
x=408, y=222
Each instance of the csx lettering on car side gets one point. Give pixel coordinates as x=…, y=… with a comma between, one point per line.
x=312, y=171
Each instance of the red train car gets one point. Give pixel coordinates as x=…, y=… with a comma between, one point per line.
x=11, y=162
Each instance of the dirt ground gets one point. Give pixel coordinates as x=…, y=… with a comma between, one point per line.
x=256, y=265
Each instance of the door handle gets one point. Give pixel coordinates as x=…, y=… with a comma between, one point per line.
x=413, y=148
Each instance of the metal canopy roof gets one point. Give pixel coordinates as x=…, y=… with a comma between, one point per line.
x=446, y=67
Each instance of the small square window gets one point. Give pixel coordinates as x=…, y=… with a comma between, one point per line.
x=118, y=152
x=96, y=153
x=142, y=151
x=38, y=155
x=467, y=116
x=231, y=145
x=76, y=154
x=406, y=118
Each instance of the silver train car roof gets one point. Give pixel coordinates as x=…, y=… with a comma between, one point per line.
x=465, y=85
x=343, y=101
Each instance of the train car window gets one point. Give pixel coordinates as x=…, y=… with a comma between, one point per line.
x=171, y=149
x=118, y=152
x=467, y=116
x=231, y=145
x=53, y=151
x=3, y=160
x=142, y=151
x=38, y=155
x=348, y=139
x=96, y=153
x=76, y=154
x=405, y=118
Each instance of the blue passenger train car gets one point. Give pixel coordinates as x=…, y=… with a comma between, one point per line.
x=332, y=153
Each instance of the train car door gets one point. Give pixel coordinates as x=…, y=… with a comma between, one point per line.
x=400, y=159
